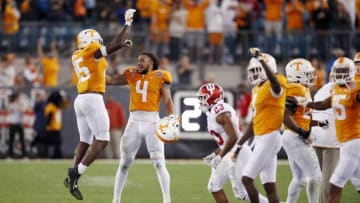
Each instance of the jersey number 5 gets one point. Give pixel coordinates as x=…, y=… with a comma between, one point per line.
x=143, y=90
x=82, y=72
x=340, y=113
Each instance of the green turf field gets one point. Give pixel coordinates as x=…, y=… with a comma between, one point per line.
x=34, y=181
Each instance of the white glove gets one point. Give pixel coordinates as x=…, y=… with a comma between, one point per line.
x=254, y=52
x=129, y=14
x=215, y=161
x=128, y=43
x=207, y=159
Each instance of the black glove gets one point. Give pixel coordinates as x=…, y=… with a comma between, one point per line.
x=303, y=133
x=323, y=124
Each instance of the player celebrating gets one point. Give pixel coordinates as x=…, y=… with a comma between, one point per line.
x=344, y=100
x=92, y=118
x=302, y=158
x=224, y=126
x=268, y=105
x=147, y=86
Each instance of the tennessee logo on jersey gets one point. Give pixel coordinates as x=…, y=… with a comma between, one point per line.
x=145, y=89
x=268, y=109
x=347, y=112
x=90, y=72
x=302, y=116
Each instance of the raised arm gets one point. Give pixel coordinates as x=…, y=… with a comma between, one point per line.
x=270, y=74
x=275, y=84
x=119, y=41
x=54, y=51
x=40, y=44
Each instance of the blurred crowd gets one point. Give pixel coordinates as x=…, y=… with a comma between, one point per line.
x=223, y=29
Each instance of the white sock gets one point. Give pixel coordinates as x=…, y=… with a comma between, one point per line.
x=120, y=179
x=163, y=178
x=81, y=168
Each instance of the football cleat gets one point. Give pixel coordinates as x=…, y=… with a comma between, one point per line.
x=168, y=129
x=71, y=183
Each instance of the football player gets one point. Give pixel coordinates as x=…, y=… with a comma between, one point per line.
x=302, y=158
x=268, y=106
x=92, y=118
x=147, y=85
x=223, y=125
x=344, y=100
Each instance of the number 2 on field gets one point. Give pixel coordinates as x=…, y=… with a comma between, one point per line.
x=142, y=91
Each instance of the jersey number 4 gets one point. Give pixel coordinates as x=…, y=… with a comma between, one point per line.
x=142, y=90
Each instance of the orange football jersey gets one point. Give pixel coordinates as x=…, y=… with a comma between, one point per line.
x=90, y=72
x=268, y=110
x=346, y=112
x=145, y=89
x=302, y=116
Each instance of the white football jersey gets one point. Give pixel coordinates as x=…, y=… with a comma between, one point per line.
x=216, y=129
x=324, y=137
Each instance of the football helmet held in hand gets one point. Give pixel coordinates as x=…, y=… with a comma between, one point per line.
x=88, y=36
x=168, y=129
x=209, y=94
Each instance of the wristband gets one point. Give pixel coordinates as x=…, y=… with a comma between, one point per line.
x=128, y=23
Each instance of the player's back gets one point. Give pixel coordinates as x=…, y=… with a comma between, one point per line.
x=145, y=88
x=90, y=72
